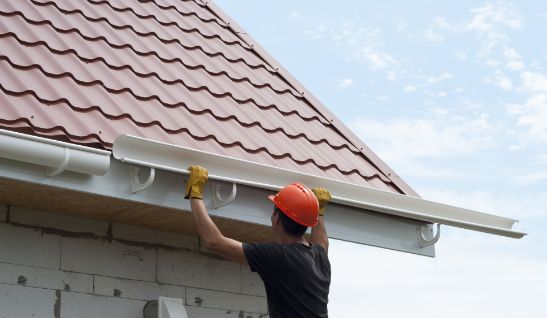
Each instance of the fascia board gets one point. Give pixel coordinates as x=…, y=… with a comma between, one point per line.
x=55, y=155
x=145, y=152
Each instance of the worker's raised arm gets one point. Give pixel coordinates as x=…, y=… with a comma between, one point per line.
x=319, y=232
x=211, y=236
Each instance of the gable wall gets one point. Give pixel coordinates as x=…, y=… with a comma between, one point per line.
x=54, y=265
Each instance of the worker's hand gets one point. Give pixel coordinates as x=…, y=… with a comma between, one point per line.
x=323, y=196
x=196, y=181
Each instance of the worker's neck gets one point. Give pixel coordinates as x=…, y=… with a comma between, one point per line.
x=285, y=238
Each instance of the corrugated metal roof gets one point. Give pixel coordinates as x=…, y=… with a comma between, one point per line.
x=172, y=71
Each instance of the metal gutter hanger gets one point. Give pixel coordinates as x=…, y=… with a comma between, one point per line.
x=158, y=155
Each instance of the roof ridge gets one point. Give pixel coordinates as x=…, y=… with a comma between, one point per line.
x=337, y=125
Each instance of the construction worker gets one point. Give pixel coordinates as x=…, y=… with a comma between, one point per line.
x=296, y=273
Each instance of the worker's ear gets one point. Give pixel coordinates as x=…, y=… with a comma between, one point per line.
x=275, y=217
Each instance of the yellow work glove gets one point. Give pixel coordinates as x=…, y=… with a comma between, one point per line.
x=196, y=181
x=323, y=196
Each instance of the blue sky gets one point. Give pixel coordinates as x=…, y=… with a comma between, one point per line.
x=453, y=96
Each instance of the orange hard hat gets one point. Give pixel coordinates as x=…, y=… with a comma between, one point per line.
x=298, y=202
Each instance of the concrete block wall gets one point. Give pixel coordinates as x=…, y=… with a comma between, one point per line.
x=60, y=266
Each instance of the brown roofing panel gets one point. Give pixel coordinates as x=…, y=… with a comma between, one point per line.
x=171, y=71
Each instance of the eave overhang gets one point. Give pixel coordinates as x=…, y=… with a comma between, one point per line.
x=162, y=205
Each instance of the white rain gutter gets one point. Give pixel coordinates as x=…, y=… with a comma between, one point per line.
x=56, y=156
x=158, y=155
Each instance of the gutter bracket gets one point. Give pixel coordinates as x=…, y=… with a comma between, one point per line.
x=218, y=201
x=136, y=184
x=52, y=172
x=423, y=240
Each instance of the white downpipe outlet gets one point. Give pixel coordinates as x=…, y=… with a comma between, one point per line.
x=56, y=156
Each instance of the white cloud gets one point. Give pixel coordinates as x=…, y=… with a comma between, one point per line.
x=500, y=80
x=359, y=43
x=490, y=18
x=342, y=83
x=492, y=24
x=296, y=15
x=440, y=22
x=542, y=159
x=504, y=82
x=374, y=59
x=345, y=33
x=515, y=65
x=532, y=178
x=409, y=88
x=534, y=82
x=436, y=29
x=532, y=116
x=402, y=140
x=440, y=78
x=460, y=55
x=433, y=36
x=514, y=59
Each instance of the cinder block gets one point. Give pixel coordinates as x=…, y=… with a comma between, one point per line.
x=213, y=299
x=200, y=312
x=141, y=234
x=255, y=304
x=198, y=270
x=251, y=283
x=45, y=278
x=136, y=289
x=28, y=247
x=57, y=221
x=254, y=315
x=92, y=306
x=3, y=213
x=97, y=256
x=17, y=301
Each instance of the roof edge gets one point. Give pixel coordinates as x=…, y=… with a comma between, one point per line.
x=306, y=94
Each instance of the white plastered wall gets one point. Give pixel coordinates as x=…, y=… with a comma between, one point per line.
x=58, y=266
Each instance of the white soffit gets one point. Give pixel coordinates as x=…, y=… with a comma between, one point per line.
x=56, y=156
x=149, y=153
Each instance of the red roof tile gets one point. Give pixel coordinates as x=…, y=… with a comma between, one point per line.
x=172, y=71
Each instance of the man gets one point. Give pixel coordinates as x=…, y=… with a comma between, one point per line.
x=296, y=273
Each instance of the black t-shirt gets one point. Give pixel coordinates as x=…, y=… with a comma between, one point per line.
x=296, y=277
